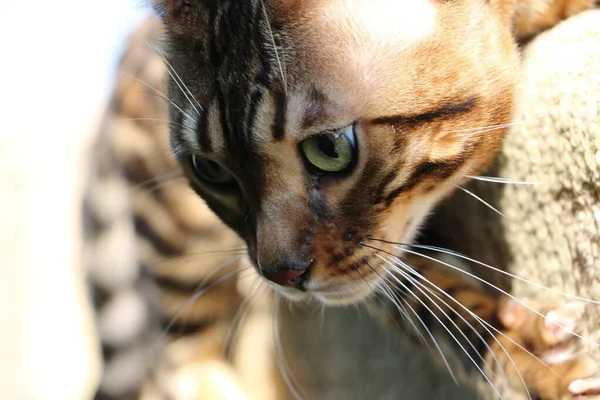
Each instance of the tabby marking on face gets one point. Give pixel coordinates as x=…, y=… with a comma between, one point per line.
x=324, y=138
x=337, y=131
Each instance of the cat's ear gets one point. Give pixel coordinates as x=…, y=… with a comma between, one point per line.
x=174, y=7
x=159, y=7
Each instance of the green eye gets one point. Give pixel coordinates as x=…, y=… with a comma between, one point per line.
x=331, y=152
x=211, y=171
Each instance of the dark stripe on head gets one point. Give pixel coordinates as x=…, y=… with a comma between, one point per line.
x=202, y=133
x=357, y=207
x=255, y=100
x=445, y=111
x=389, y=178
x=439, y=170
x=278, y=126
x=222, y=104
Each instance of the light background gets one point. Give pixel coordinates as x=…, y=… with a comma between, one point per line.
x=57, y=59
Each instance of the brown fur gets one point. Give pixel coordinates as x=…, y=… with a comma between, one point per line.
x=410, y=99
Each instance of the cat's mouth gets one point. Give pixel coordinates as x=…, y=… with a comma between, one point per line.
x=348, y=295
x=336, y=275
x=304, y=289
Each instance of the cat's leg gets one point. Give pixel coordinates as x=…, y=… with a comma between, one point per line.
x=519, y=349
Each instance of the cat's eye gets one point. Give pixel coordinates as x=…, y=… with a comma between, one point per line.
x=331, y=152
x=211, y=171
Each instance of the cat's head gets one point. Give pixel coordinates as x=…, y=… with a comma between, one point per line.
x=314, y=127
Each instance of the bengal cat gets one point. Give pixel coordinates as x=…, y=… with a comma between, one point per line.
x=324, y=132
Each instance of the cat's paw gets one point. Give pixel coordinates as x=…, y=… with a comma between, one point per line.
x=547, y=349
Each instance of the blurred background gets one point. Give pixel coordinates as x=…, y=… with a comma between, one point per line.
x=58, y=60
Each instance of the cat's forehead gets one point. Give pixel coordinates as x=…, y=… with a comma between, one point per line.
x=402, y=56
x=383, y=22
x=285, y=62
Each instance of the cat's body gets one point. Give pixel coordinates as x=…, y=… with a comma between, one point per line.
x=350, y=218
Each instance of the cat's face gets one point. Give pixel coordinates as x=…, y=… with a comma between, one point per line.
x=362, y=119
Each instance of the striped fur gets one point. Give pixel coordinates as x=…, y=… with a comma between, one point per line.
x=152, y=246
x=247, y=82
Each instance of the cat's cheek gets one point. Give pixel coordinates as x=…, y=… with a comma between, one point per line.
x=402, y=221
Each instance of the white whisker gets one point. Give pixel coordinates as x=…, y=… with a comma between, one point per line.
x=487, y=325
x=283, y=77
x=180, y=83
x=200, y=292
x=240, y=316
x=159, y=178
x=480, y=199
x=389, y=293
x=490, y=128
x=495, y=269
x=165, y=121
x=423, y=323
x=405, y=275
x=161, y=94
x=501, y=180
x=164, y=183
x=289, y=380
x=425, y=327
x=479, y=319
x=395, y=299
x=501, y=291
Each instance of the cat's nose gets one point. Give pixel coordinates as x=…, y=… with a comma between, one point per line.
x=290, y=272
x=289, y=278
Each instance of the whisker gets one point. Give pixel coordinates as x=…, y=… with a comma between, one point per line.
x=201, y=290
x=423, y=323
x=160, y=185
x=485, y=323
x=495, y=269
x=389, y=293
x=177, y=80
x=157, y=179
x=505, y=292
x=494, y=126
x=239, y=251
x=386, y=290
x=158, y=92
x=487, y=326
x=490, y=128
x=408, y=268
x=268, y=23
x=281, y=359
x=494, y=179
x=239, y=319
x=477, y=318
x=164, y=121
x=480, y=199
x=405, y=275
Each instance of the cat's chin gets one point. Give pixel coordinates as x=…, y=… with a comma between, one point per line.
x=328, y=298
x=334, y=299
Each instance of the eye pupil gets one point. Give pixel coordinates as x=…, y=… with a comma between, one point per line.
x=327, y=147
x=330, y=152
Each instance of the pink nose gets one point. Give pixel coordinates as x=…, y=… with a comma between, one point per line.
x=285, y=278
